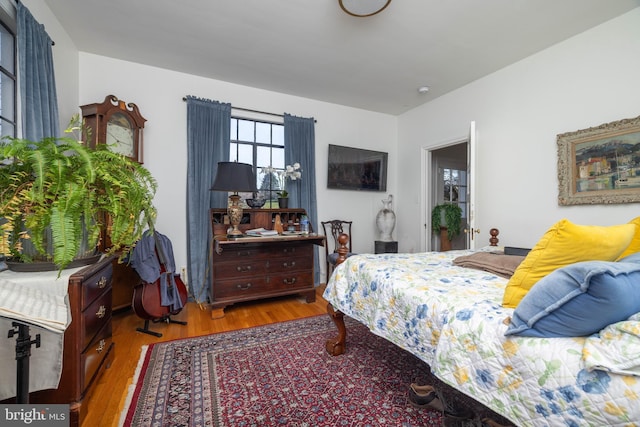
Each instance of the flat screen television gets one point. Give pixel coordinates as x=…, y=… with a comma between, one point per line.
x=356, y=169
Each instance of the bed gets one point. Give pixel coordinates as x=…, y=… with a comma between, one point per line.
x=453, y=318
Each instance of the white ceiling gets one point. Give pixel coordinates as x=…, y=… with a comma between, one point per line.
x=312, y=49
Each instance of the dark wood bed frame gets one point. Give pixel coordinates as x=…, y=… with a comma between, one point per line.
x=337, y=345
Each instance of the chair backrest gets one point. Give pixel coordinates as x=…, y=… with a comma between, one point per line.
x=332, y=230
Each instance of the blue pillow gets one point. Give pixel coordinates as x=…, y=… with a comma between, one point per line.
x=634, y=257
x=578, y=300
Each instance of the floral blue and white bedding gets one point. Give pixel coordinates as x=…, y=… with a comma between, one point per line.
x=452, y=318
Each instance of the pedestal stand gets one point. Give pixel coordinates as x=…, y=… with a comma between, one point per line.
x=386, y=247
x=23, y=352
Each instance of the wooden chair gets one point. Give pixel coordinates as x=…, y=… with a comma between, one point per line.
x=332, y=230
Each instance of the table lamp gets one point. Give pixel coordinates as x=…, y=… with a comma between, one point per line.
x=234, y=177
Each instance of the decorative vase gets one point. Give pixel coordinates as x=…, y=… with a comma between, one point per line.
x=283, y=202
x=386, y=220
x=277, y=226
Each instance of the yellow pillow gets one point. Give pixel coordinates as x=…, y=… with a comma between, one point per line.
x=635, y=242
x=563, y=244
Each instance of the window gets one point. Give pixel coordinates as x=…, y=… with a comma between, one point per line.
x=455, y=188
x=8, y=93
x=260, y=144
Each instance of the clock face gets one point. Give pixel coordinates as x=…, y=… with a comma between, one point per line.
x=120, y=136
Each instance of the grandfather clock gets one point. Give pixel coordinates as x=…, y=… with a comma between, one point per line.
x=117, y=124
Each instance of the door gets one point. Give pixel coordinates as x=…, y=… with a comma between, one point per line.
x=450, y=178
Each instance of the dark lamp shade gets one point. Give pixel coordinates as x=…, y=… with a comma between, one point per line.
x=233, y=176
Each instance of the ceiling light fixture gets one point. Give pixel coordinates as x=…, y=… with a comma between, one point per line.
x=423, y=89
x=363, y=8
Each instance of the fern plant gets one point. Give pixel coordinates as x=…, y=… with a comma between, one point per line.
x=60, y=190
x=452, y=219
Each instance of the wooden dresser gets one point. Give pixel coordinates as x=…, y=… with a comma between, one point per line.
x=251, y=268
x=88, y=344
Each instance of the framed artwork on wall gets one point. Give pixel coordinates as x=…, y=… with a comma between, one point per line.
x=600, y=165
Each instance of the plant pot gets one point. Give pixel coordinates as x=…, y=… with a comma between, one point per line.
x=39, y=266
x=283, y=202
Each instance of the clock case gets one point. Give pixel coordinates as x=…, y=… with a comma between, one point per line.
x=97, y=115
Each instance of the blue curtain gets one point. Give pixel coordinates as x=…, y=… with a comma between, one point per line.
x=208, y=141
x=299, y=146
x=38, y=97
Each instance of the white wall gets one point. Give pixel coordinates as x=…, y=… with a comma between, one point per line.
x=585, y=81
x=159, y=95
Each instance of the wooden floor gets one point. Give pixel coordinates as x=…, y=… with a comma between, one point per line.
x=108, y=398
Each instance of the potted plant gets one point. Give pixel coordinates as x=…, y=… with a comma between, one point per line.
x=447, y=215
x=283, y=199
x=290, y=172
x=57, y=193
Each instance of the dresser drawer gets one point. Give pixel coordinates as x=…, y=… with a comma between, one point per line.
x=295, y=250
x=294, y=280
x=95, y=353
x=95, y=285
x=291, y=264
x=95, y=317
x=262, y=251
x=243, y=267
x=251, y=286
x=239, y=252
x=240, y=288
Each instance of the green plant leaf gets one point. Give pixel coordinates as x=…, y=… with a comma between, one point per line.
x=452, y=219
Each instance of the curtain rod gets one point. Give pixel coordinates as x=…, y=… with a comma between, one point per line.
x=15, y=4
x=248, y=110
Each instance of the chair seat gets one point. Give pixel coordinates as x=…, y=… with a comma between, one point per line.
x=333, y=258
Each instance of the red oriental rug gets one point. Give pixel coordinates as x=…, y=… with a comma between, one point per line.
x=277, y=375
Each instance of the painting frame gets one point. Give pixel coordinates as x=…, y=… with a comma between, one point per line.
x=580, y=183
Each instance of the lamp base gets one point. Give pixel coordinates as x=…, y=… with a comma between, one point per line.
x=235, y=216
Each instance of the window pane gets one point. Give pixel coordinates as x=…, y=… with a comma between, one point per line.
x=245, y=153
x=234, y=129
x=7, y=50
x=263, y=132
x=245, y=130
x=7, y=128
x=233, y=152
x=263, y=156
x=278, y=135
x=7, y=107
x=454, y=177
x=277, y=158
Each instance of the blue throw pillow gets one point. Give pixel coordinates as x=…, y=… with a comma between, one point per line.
x=578, y=300
x=634, y=257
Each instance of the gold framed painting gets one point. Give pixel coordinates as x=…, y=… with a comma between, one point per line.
x=600, y=165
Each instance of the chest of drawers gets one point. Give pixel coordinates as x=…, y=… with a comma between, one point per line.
x=88, y=344
x=253, y=268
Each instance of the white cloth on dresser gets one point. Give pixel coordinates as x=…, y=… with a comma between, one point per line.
x=40, y=300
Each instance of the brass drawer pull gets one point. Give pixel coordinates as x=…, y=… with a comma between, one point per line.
x=288, y=250
x=244, y=287
x=243, y=268
x=101, y=346
x=289, y=281
x=244, y=253
x=101, y=312
x=289, y=264
x=102, y=282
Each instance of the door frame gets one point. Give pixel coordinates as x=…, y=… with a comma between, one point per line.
x=427, y=187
